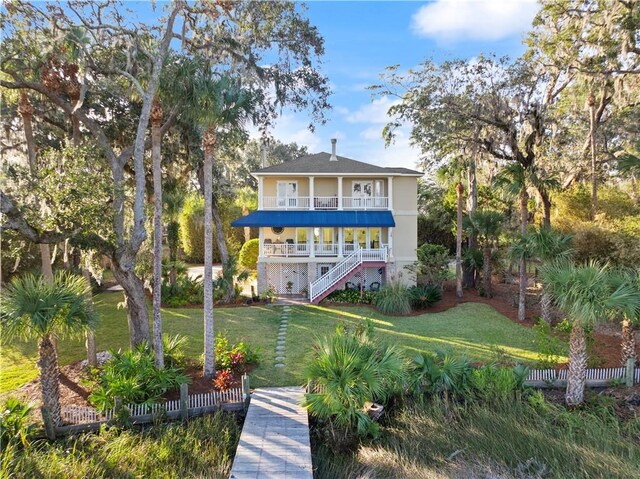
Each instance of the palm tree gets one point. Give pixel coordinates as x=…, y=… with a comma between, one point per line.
x=223, y=106
x=156, y=159
x=547, y=245
x=587, y=294
x=628, y=344
x=34, y=308
x=487, y=225
x=516, y=179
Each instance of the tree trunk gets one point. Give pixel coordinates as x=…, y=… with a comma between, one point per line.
x=577, y=366
x=156, y=139
x=172, y=241
x=224, y=252
x=592, y=140
x=628, y=341
x=92, y=357
x=522, y=287
x=247, y=230
x=470, y=272
x=487, y=270
x=460, y=191
x=546, y=307
x=209, y=142
x=26, y=112
x=546, y=207
x=137, y=315
x=49, y=377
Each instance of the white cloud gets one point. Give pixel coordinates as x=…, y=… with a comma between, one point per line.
x=374, y=112
x=291, y=129
x=453, y=20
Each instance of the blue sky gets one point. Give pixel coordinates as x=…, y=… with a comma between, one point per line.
x=362, y=38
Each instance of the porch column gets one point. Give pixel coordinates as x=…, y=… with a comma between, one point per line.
x=390, y=192
x=390, y=242
x=339, y=192
x=340, y=241
x=312, y=203
x=260, y=242
x=312, y=252
x=260, y=194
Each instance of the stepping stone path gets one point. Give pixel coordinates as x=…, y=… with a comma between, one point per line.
x=282, y=336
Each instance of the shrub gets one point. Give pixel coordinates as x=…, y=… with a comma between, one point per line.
x=425, y=296
x=248, y=256
x=550, y=347
x=192, y=228
x=186, y=291
x=235, y=358
x=14, y=423
x=439, y=373
x=494, y=384
x=173, y=348
x=432, y=266
x=347, y=371
x=393, y=298
x=223, y=380
x=351, y=296
x=132, y=376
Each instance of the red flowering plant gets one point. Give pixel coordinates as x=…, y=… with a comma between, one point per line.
x=223, y=380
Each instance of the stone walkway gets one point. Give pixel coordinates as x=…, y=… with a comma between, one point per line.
x=282, y=336
x=275, y=438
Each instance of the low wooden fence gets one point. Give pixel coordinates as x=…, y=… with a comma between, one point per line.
x=82, y=419
x=596, y=377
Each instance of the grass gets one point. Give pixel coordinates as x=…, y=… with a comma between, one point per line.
x=203, y=447
x=519, y=439
x=470, y=328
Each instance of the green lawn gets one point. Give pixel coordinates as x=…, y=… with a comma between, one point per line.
x=470, y=328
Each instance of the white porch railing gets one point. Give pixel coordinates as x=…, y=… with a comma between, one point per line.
x=286, y=249
x=324, y=203
x=343, y=268
x=286, y=202
x=375, y=203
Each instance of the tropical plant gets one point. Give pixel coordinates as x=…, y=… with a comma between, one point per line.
x=587, y=294
x=133, y=376
x=432, y=266
x=228, y=278
x=487, y=225
x=347, y=371
x=393, y=298
x=173, y=198
x=248, y=256
x=173, y=347
x=352, y=296
x=491, y=384
x=186, y=291
x=34, y=308
x=425, y=296
x=438, y=373
x=14, y=423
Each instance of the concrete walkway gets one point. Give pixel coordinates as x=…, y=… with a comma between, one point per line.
x=275, y=437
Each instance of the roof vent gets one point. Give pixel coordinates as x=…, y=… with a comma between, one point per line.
x=333, y=150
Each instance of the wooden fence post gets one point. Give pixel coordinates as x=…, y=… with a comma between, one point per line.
x=49, y=427
x=245, y=389
x=629, y=379
x=184, y=401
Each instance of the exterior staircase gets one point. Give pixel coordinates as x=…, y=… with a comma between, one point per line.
x=338, y=275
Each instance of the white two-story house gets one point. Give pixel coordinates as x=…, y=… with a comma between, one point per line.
x=328, y=222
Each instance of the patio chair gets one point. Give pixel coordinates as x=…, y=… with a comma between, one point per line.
x=375, y=286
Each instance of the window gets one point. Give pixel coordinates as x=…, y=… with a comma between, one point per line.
x=374, y=235
x=324, y=269
x=287, y=192
x=362, y=237
x=301, y=235
x=277, y=230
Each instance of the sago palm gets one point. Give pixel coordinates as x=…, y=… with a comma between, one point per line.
x=487, y=225
x=33, y=308
x=587, y=294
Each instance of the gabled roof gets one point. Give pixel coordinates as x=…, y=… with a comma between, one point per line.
x=320, y=163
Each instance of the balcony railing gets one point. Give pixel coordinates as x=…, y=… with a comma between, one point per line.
x=324, y=203
x=287, y=250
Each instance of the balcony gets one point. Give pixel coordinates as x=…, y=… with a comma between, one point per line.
x=325, y=203
x=292, y=250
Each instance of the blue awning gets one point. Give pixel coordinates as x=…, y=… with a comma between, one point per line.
x=303, y=219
